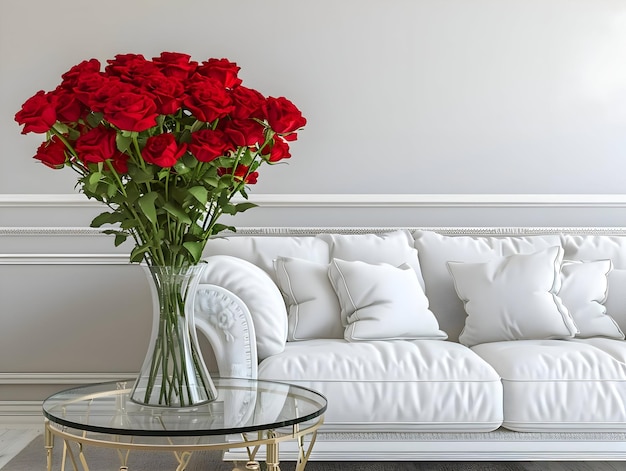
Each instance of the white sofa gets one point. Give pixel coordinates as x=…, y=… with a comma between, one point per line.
x=432, y=343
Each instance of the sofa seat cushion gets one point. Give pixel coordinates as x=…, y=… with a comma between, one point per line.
x=561, y=385
x=429, y=385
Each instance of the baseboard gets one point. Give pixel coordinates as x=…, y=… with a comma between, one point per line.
x=495, y=446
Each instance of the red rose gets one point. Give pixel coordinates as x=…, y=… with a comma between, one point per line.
x=241, y=174
x=111, y=88
x=168, y=92
x=38, y=113
x=68, y=108
x=131, y=111
x=244, y=132
x=96, y=145
x=162, y=150
x=175, y=64
x=207, y=145
x=248, y=103
x=222, y=70
x=283, y=117
x=70, y=78
x=52, y=153
x=131, y=68
x=87, y=84
x=208, y=100
x=278, y=150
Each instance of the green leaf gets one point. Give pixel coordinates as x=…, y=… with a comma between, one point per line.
x=120, y=238
x=111, y=190
x=138, y=252
x=94, y=178
x=181, y=168
x=200, y=193
x=178, y=212
x=217, y=228
x=129, y=223
x=123, y=143
x=146, y=204
x=103, y=218
x=229, y=208
x=139, y=175
x=94, y=119
x=194, y=249
x=241, y=207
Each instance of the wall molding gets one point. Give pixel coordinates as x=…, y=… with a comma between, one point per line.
x=320, y=200
x=60, y=378
x=63, y=259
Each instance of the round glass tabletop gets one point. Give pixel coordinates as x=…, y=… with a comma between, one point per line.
x=243, y=405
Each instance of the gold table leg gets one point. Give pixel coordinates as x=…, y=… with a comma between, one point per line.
x=48, y=445
x=271, y=450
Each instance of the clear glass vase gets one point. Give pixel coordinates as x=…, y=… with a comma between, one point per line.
x=173, y=373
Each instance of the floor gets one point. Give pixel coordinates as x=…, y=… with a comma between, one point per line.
x=12, y=441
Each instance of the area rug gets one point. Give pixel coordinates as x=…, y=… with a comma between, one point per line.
x=33, y=458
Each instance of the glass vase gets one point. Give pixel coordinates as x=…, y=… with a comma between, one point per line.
x=173, y=373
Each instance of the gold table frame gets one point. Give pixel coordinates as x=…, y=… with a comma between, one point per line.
x=75, y=439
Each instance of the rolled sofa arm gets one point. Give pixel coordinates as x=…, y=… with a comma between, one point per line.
x=226, y=322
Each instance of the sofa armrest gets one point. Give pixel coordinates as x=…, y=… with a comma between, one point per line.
x=226, y=322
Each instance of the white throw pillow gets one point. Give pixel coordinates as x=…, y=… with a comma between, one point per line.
x=435, y=250
x=312, y=306
x=584, y=287
x=513, y=298
x=260, y=295
x=394, y=248
x=382, y=302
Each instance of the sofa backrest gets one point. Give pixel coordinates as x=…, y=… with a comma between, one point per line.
x=428, y=250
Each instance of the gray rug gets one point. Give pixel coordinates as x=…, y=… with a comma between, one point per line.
x=33, y=458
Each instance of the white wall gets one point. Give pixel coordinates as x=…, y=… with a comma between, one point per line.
x=421, y=112
x=402, y=96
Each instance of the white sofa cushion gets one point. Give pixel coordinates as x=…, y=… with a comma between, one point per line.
x=513, y=298
x=312, y=305
x=561, y=385
x=394, y=248
x=382, y=302
x=259, y=293
x=584, y=287
x=616, y=299
x=426, y=385
x=263, y=250
x=435, y=250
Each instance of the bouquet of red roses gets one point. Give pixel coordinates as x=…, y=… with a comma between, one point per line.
x=165, y=143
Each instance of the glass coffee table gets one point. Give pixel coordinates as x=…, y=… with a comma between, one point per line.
x=248, y=414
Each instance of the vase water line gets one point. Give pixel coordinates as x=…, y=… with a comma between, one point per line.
x=174, y=373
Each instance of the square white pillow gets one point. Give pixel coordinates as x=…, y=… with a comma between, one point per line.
x=382, y=302
x=584, y=287
x=394, y=248
x=513, y=298
x=313, y=310
x=435, y=250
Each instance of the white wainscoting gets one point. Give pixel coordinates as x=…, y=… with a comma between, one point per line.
x=74, y=311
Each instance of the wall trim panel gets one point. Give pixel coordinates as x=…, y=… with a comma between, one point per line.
x=60, y=378
x=358, y=200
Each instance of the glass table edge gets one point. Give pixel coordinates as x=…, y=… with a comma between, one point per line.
x=186, y=433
